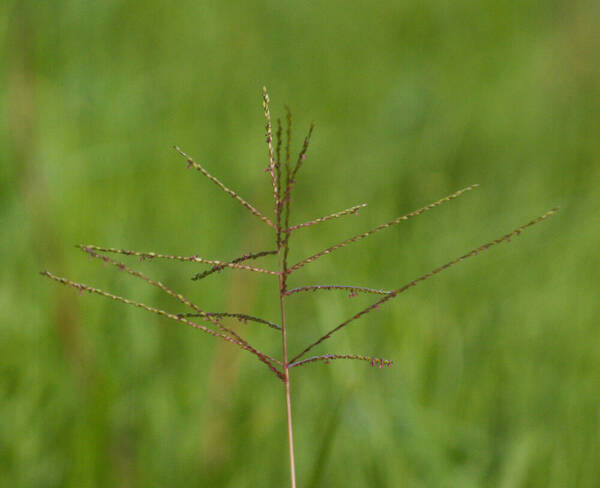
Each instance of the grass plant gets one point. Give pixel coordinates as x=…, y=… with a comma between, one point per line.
x=282, y=171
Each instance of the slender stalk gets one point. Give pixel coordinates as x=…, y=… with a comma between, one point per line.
x=286, y=376
x=290, y=429
x=282, y=245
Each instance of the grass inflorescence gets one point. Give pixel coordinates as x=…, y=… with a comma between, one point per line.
x=282, y=170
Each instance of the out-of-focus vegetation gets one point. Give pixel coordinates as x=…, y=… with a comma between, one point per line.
x=497, y=361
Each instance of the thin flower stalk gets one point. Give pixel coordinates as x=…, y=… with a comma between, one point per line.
x=233, y=194
x=381, y=227
x=327, y=358
x=395, y=293
x=276, y=175
x=192, y=259
x=352, y=210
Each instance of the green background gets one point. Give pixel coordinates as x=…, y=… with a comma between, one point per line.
x=496, y=361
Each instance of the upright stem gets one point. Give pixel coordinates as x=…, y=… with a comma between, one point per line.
x=282, y=244
x=286, y=368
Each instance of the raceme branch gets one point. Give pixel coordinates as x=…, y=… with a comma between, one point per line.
x=83, y=288
x=395, y=293
x=193, y=164
x=327, y=358
x=241, y=317
x=220, y=267
x=177, y=296
x=354, y=290
x=192, y=259
x=352, y=210
x=380, y=227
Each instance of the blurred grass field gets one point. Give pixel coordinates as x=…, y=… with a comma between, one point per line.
x=496, y=361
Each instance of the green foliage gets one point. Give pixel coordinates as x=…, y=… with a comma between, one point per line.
x=496, y=362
